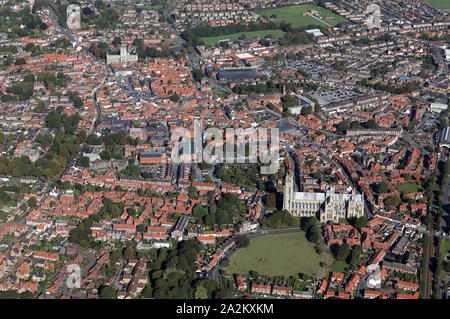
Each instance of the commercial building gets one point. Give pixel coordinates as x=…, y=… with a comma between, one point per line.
x=152, y=158
x=237, y=75
x=438, y=107
x=444, y=140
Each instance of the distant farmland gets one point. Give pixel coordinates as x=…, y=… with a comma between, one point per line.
x=294, y=15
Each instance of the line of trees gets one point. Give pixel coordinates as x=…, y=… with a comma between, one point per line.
x=224, y=211
x=172, y=275
x=279, y=219
x=292, y=35
x=62, y=148
x=406, y=88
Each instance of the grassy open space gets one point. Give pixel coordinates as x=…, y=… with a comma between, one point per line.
x=155, y=7
x=409, y=188
x=445, y=247
x=276, y=34
x=3, y=216
x=443, y=4
x=339, y=266
x=220, y=93
x=294, y=15
x=280, y=255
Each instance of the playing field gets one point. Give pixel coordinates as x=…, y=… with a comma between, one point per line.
x=409, y=188
x=155, y=7
x=445, y=247
x=443, y=4
x=276, y=34
x=280, y=255
x=294, y=15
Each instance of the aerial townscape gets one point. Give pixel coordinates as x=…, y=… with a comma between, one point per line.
x=107, y=190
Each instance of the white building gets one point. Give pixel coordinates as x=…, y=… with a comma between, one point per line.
x=438, y=107
x=161, y=244
x=73, y=16
x=315, y=32
x=295, y=110
x=374, y=279
x=92, y=156
x=248, y=226
x=124, y=56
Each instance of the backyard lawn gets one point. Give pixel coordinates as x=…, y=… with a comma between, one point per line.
x=280, y=255
x=409, y=188
x=294, y=15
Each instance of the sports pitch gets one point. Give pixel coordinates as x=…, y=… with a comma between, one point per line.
x=443, y=4
x=294, y=15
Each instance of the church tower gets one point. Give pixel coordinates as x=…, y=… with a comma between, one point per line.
x=123, y=51
x=288, y=190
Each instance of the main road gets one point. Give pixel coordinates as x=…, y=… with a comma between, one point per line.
x=68, y=34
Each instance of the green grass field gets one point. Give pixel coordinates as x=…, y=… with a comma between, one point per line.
x=155, y=7
x=276, y=34
x=339, y=266
x=409, y=188
x=280, y=255
x=445, y=247
x=294, y=15
x=443, y=4
x=220, y=93
x=3, y=215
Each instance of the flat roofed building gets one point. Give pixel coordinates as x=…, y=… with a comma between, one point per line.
x=238, y=75
x=92, y=156
x=180, y=226
x=438, y=107
x=315, y=32
x=303, y=100
x=152, y=158
x=444, y=140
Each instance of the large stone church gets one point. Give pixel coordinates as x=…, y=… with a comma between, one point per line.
x=327, y=206
x=124, y=56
